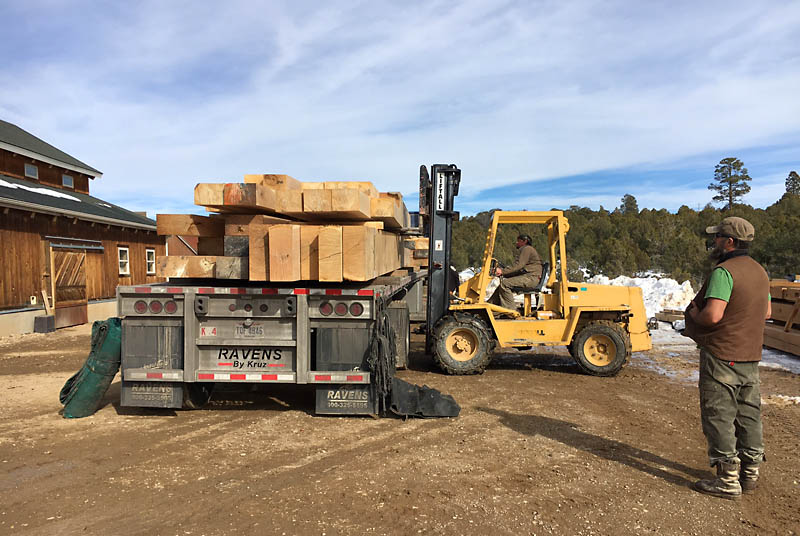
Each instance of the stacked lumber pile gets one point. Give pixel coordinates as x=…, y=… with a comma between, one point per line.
x=276, y=228
x=669, y=315
x=416, y=253
x=782, y=331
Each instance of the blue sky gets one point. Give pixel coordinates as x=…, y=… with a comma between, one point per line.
x=541, y=104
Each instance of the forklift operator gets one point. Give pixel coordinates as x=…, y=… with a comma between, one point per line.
x=525, y=272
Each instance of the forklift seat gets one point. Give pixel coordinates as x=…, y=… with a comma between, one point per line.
x=527, y=291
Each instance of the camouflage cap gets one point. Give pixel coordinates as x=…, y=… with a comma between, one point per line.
x=734, y=227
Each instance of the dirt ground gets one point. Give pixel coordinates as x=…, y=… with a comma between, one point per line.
x=538, y=449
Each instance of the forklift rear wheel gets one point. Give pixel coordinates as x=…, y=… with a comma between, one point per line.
x=601, y=348
x=197, y=395
x=461, y=345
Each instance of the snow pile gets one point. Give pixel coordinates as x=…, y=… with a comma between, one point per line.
x=659, y=293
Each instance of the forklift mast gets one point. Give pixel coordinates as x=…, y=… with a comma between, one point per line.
x=436, y=193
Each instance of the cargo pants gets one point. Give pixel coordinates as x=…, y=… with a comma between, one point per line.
x=730, y=410
x=504, y=297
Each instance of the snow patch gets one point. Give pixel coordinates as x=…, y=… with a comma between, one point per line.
x=659, y=293
x=42, y=191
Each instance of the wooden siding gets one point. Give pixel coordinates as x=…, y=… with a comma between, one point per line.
x=25, y=260
x=13, y=165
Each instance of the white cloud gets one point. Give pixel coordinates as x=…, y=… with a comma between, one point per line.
x=164, y=95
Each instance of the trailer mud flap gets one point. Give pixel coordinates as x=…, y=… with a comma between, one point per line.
x=346, y=400
x=409, y=400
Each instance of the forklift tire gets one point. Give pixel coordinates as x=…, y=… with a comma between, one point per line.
x=197, y=395
x=601, y=348
x=461, y=345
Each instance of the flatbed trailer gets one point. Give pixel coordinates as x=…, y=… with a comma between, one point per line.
x=182, y=338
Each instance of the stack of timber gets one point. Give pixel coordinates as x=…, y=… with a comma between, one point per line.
x=416, y=253
x=782, y=331
x=669, y=315
x=277, y=228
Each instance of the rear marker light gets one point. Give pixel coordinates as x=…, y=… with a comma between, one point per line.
x=263, y=307
x=356, y=309
x=248, y=307
x=171, y=307
x=232, y=307
x=326, y=309
x=140, y=307
x=155, y=306
x=340, y=309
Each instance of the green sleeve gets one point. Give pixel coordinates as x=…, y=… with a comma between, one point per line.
x=720, y=285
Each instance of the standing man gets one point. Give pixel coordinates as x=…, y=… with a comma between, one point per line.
x=525, y=272
x=726, y=320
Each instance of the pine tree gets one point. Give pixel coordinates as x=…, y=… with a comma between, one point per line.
x=731, y=181
x=629, y=205
x=793, y=183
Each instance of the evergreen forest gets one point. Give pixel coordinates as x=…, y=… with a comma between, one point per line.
x=629, y=241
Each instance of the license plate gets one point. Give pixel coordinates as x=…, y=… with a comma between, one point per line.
x=250, y=332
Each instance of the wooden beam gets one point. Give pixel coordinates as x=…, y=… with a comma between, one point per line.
x=358, y=253
x=277, y=182
x=342, y=204
x=309, y=252
x=209, y=194
x=211, y=246
x=284, y=253
x=189, y=225
x=232, y=268
x=364, y=186
x=236, y=246
x=254, y=197
x=330, y=254
x=238, y=224
x=258, y=237
x=776, y=337
x=186, y=266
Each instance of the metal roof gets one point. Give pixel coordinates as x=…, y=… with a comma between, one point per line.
x=26, y=195
x=13, y=138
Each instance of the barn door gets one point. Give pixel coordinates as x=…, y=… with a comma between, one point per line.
x=69, y=294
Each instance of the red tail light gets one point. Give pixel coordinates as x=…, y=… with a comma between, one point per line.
x=326, y=309
x=340, y=309
x=155, y=306
x=171, y=307
x=140, y=307
x=356, y=309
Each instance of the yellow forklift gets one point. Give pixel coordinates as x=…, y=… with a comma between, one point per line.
x=600, y=324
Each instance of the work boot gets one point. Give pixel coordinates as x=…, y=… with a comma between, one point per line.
x=748, y=478
x=726, y=485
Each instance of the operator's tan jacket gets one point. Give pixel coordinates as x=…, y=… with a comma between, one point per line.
x=528, y=262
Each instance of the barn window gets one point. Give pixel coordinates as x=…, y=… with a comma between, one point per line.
x=67, y=182
x=31, y=171
x=124, y=261
x=150, y=258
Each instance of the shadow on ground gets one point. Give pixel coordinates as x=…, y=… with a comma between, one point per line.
x=569, y=434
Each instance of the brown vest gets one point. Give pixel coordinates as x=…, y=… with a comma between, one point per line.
x=740, y=334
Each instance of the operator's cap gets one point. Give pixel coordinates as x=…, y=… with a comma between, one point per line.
x=734, y=227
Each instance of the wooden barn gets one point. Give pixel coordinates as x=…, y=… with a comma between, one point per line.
x=62, y=249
